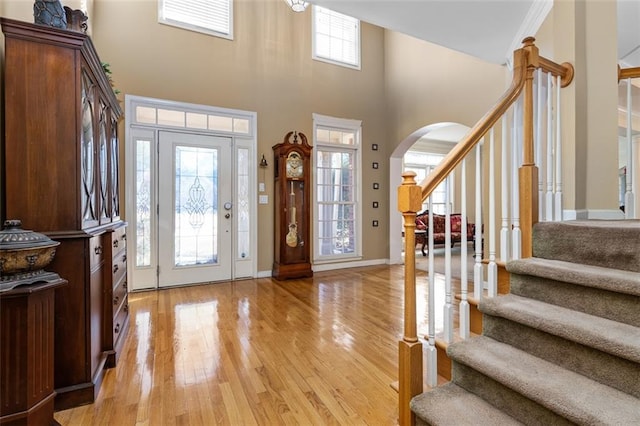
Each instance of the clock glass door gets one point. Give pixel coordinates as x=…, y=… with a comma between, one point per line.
x=195, y=209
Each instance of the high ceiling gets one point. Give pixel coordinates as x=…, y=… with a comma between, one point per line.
x=487, y=29
x=629, y=32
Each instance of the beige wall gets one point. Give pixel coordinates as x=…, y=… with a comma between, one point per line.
x=427, y=84
x=267, y=68
x=583, y=33
x=404, y=84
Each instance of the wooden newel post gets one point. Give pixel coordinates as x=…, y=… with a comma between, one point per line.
x=410, y=348
x=528, y=173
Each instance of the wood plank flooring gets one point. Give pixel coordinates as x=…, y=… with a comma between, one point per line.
x=318, y=351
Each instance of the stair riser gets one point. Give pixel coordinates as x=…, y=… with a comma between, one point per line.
x=603, y=367
x=513, y=403
x=606, y=304
x=609, y=247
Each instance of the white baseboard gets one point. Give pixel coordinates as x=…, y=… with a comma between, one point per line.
x=319, y=267
x=585, y=214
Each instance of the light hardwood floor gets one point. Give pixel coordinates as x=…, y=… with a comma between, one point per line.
x=316, y=351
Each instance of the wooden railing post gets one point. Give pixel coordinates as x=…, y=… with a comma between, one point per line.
x=528, y=173
x=410, y=348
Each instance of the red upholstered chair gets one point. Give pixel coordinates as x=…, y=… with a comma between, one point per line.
x=439, y=228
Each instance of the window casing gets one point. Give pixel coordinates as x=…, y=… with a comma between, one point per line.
x=336, y=38
x=213, y=17
x=337, y=189
x=422, y=164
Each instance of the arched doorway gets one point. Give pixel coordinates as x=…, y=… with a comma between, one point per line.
x=437, y=138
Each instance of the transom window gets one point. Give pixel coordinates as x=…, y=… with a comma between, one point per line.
x=213, y=17
x=336, y=38
x=337, y=188
x=147, y=114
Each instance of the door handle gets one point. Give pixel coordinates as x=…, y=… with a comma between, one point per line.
x=228, y=215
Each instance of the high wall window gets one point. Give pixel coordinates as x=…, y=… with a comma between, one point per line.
x=337, y=230
x=214, y=17
x=336, y=38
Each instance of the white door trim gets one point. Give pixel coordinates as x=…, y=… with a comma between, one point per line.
x=240, y=125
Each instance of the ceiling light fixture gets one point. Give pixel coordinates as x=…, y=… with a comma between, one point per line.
x=297, y=5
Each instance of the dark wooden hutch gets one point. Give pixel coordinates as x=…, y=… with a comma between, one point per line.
x=61, y=178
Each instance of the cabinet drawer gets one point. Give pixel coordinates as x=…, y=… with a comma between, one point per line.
x=96, y=252
x=120, y=320
x=119, y=268
x=119, y=239
x=119, y=294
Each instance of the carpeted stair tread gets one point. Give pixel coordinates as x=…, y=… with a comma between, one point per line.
x=617, y=280
x=608, y=336
x=607, y=243
x=571, y=395
x=452, y=405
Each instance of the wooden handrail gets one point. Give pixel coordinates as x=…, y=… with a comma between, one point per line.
x=462, y=148
x=522, y=58
x=564, y=70
x=628, y=72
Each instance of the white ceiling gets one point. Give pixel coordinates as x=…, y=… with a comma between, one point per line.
x=629, y=32
x=487, y=29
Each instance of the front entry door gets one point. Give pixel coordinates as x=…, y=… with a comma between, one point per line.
x=195, y=209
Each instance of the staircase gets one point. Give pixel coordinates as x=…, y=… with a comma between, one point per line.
x=563, y=347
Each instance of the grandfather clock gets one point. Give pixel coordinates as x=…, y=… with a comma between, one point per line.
x=292, y=204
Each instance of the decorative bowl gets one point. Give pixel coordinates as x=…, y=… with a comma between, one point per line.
x=23, y=251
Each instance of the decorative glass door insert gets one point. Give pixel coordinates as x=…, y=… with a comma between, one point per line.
x=196, y=183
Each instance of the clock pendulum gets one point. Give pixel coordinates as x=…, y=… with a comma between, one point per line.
x=292, y=235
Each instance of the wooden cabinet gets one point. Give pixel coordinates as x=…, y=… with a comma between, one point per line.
x=61, y=178
x=26, y=354
x=116, y=306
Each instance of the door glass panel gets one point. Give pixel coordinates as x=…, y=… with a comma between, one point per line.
x=196, y=201
x=242, y=209
x=143, y=203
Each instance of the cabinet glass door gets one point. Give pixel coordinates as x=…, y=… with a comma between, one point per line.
x=103, y=168
x=88, y=154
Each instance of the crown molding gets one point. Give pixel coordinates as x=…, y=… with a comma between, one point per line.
x=530, y=25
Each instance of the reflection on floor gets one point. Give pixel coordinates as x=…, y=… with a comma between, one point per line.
x=322, y=350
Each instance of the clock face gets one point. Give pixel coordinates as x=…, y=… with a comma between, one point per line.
x=294, y=165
